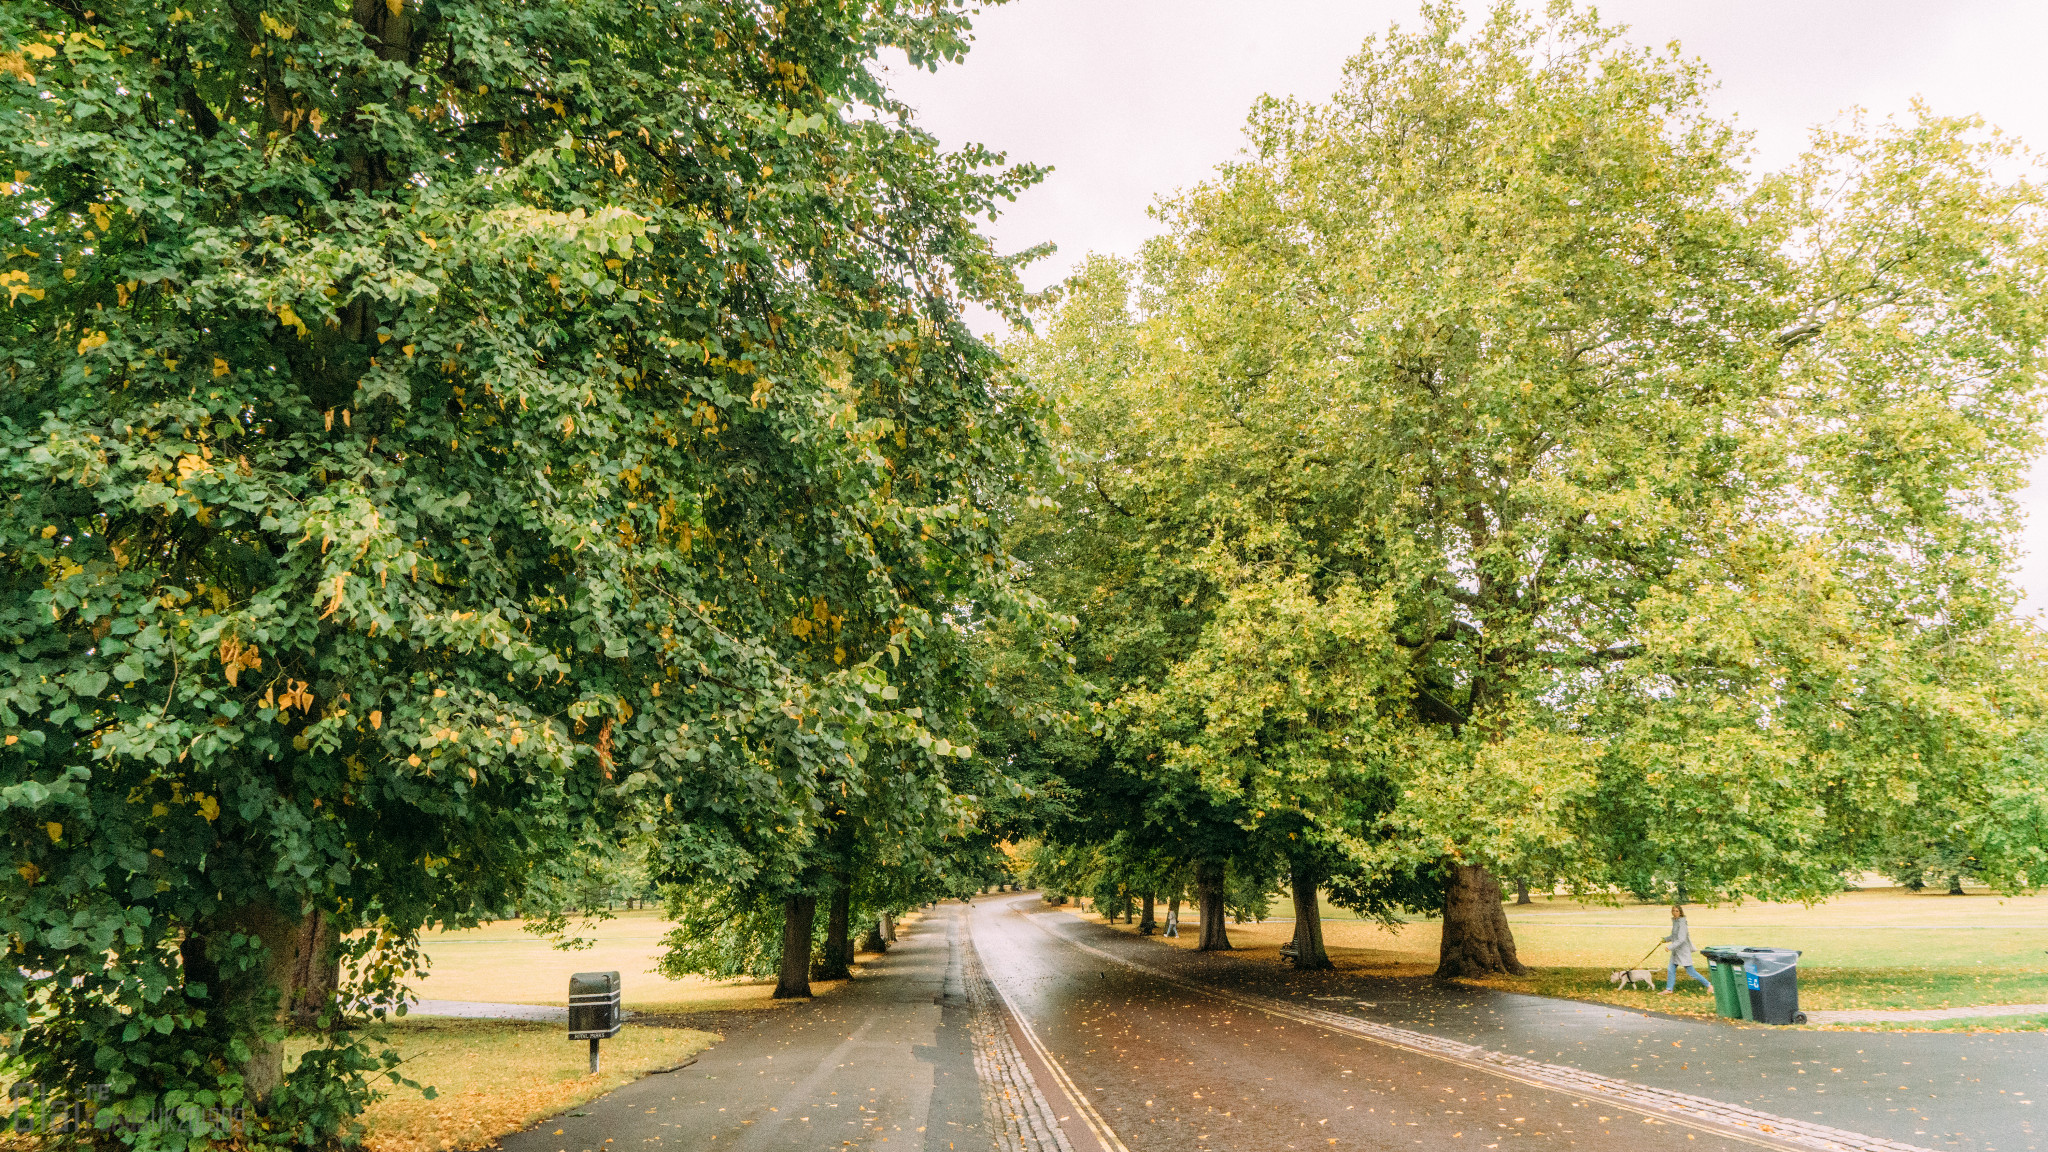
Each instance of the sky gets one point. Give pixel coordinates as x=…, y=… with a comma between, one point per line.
x=1129, y=100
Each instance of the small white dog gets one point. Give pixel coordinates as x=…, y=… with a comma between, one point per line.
x=1627, y=977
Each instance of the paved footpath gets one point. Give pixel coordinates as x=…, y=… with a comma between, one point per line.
x=909, y=1057
x=1910, y=1015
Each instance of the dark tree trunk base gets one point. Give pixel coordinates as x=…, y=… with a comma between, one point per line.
x=1309, y=954
x=799, y=913
x=836, y=962
x=1209, y=889
x=1147, y=923
x=1477, y=940
x=1522, y=892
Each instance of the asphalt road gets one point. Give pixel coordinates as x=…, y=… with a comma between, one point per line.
x=1934, y=1090
x=1013, y=1027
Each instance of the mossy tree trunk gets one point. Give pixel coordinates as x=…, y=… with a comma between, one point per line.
x=1209, y=891
x=1477, y=940
x=799, y=914
x=1309, y=954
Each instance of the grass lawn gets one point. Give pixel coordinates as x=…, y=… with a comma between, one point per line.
x=495, y=1077
x=1870, y=948
x=503, y=964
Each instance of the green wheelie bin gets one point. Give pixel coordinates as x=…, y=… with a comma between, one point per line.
x=1731, y=987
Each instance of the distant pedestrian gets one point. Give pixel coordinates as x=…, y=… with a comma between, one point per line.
x=1680, y=943
x=1173, y=921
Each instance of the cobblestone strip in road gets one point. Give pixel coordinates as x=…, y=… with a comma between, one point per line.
x=1697, y=1111
x=1017, y=1111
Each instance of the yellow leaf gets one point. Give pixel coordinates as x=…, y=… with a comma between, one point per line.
x=377, y=719
x=209, y=808
x=220, y=367
x=407, y=349
x=55, y=830
x=92, y=340
x=12, y=738
x=339, y=579
x=37, y=52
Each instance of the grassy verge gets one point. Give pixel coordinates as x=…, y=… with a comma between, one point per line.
x=494, y=1077
x=1869, y=949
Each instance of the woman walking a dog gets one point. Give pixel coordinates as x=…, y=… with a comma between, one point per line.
x=1680, y=943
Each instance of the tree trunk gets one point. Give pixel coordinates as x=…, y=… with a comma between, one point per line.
x=1955, y=886
x=837, y=961
x=1477, y=940
x=315, y=970
x=799, y=913
x=1147, y=924
x=1308, y=921
x=1209, y=890
x=873, y=941
x=1522, y=892
x=267, y=988
x=889, y=927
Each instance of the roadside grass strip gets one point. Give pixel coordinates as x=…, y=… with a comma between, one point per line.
x=496, y=1077
x=1713, y=1116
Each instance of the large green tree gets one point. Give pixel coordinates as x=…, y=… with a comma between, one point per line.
x=439, y=434
x=1487, y=473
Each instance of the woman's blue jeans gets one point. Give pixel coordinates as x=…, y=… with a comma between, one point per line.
x=1671, y=976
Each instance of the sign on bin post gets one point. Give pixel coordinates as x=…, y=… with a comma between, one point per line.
x=593, y=1009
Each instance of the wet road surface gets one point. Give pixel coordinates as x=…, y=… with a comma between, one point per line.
x=1014, y=1027
x=1934, y=1090
x=1172, y=1069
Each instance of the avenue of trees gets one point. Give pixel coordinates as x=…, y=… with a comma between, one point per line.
x=1484, y=476
x=453, y=450
x=444, y=442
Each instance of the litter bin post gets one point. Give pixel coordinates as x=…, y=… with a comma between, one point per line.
x=1773, y=979
x=593, y=1009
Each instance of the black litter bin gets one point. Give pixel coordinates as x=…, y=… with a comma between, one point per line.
x=1773, y=978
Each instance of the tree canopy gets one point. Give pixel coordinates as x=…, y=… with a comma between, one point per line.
x=1486, y=472
x=558, y=415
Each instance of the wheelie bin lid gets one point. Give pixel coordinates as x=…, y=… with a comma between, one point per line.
x=1722, y=955
x=1767, y=961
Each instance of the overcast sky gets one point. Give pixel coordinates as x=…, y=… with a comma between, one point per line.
x=1132, y=99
